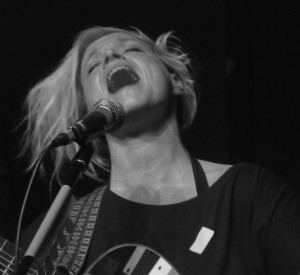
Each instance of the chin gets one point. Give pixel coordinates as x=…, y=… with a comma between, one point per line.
x=130, y=99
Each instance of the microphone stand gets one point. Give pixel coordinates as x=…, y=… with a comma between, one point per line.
x=41, y=239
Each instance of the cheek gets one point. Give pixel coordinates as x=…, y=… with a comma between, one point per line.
x=92, y=93
x=160, y=79
x=158, y=72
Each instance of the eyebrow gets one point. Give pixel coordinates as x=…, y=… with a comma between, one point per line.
x=122, y=40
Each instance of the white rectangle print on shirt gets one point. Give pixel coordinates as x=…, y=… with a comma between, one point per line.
x=203, y=238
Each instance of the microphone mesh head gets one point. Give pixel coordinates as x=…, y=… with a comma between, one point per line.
x=117, y=111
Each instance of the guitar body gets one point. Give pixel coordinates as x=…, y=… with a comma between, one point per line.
x=131, y=259
x=127, y=259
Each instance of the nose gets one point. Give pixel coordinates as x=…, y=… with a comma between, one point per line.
x=110, y=55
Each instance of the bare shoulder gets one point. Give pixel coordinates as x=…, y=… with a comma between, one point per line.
x=213, y=171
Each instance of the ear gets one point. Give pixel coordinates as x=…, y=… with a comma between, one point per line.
x=177, y=84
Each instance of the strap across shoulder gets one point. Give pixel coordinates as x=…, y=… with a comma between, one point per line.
x=199, y=175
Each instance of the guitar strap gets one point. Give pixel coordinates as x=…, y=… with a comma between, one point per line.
x=68, y=253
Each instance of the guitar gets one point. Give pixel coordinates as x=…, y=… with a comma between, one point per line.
x=131, y=259
x=127, y=259
x=7, y=257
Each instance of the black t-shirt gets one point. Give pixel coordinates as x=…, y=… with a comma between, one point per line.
x=248, y=222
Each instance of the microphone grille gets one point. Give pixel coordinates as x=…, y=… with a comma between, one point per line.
x=117, y=111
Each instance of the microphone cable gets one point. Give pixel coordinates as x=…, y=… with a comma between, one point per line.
x=37, y=165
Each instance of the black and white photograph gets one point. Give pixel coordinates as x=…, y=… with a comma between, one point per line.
x=149, y=137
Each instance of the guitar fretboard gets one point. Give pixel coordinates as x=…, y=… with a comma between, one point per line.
x=7, y=265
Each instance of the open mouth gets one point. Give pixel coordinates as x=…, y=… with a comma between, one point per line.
x=121, y=77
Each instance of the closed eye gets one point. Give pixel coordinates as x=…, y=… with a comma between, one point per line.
x=133, y=50
x=90, y=69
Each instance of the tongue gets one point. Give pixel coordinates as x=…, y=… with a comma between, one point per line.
x=120, y=79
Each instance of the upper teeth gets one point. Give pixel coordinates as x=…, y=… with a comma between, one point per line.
x=117, y=69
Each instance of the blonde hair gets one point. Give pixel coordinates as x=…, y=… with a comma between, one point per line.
x=57, y=101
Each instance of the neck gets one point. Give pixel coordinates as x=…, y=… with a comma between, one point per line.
x=151, y=168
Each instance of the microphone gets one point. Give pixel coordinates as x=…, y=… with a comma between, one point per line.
x=106, y=116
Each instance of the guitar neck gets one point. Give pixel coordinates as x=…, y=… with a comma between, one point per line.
x=7, y=257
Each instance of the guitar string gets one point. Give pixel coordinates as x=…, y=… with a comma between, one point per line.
x=10, y=261
x=10, y=266
x=7, y=262
x=5, y=269
x=9, y=271
x=2, y=244
x=4, y=272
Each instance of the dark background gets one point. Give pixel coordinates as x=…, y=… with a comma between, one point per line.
x=249, y=109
